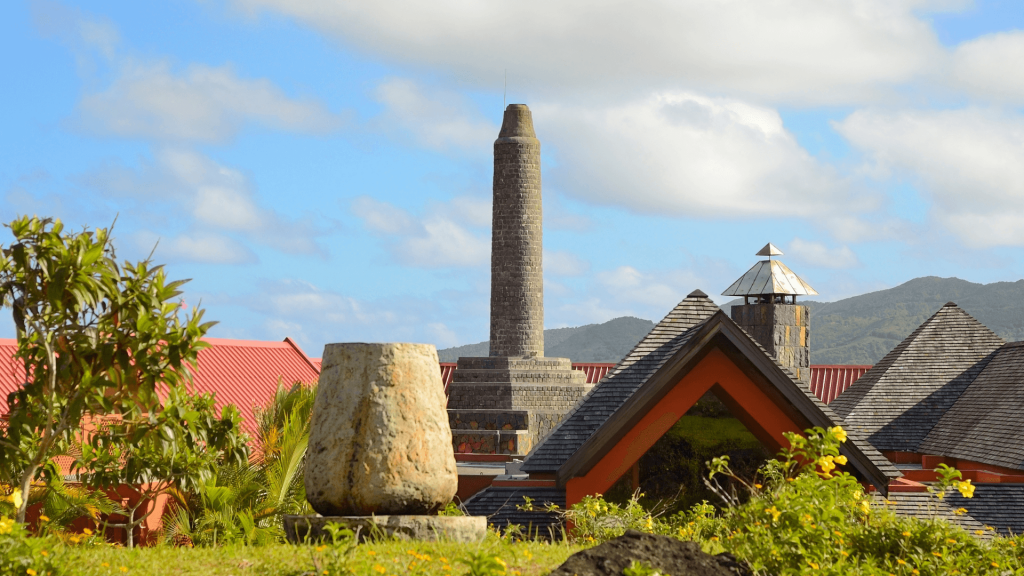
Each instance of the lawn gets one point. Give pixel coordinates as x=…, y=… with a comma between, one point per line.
x=427, y=558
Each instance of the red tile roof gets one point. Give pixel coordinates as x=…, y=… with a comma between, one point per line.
x=828, y=382
x=241, y=372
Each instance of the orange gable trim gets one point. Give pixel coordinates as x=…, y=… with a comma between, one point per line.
x=715, y=372
x=720, y=356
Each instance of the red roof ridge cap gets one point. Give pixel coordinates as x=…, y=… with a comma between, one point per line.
x=246, y=343
x=305, y=357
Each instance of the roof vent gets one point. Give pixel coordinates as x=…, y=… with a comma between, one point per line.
x=769, y=281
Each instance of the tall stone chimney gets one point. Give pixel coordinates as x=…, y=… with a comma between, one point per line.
x=517, y=276
x=771, y=315
x=506, y=402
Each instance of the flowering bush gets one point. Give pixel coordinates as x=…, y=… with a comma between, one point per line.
x=21, y=554
x=805, y=516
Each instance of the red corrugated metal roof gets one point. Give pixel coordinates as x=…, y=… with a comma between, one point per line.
x=829, y=381
x=240, y=372
x=595, y=371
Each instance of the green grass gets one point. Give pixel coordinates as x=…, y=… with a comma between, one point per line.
x=427, y=558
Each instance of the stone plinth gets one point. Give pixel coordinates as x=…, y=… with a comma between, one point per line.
x=304, y=529
x=502, y=405
x=784, y=330
x=379, y=436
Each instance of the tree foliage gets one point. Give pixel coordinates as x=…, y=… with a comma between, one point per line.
x=100, y=341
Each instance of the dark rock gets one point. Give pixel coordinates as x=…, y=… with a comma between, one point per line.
x=664, y=553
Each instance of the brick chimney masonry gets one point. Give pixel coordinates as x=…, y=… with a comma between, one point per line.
x=517, y=277
x=504, y=403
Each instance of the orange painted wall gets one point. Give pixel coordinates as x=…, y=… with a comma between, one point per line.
x=752, y=406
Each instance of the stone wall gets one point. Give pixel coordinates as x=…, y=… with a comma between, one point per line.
x=784, y=330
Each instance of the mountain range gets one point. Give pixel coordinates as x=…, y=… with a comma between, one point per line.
x=857, y=330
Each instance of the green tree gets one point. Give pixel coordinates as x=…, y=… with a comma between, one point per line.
x=174, y=449
x=97, y=339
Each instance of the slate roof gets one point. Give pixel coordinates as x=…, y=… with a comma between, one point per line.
x=684, y=331
x=925, y=506
x=499, y=504
x=646, y=358
x=986, y=414
x=899, y=401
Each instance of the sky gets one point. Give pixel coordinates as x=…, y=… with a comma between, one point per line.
x=321, y=170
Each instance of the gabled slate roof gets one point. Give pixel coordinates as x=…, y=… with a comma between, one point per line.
x=986, y=415
x=667, y=337
x=500, y=505
x=899, y=401
x=660, y=360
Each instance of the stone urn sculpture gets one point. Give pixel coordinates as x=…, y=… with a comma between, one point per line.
x=379, y=437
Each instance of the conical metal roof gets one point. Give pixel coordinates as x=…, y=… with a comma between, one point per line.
x=769, y=277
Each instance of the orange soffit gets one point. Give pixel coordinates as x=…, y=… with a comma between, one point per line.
x=716, y=369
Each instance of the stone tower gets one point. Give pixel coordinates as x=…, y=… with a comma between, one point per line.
x=517, y=279
x=771, y=315
x=506, y=402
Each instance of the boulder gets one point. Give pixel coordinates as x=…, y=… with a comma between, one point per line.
x=379, y=440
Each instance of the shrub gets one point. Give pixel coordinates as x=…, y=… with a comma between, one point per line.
x=805, y=517
x=22, y=554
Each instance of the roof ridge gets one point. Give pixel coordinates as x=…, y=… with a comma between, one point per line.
x=847, y=401
x=673, y=326
x=899, y=401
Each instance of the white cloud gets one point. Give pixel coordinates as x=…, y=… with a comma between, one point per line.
x=439, y=120
x=562, y=263
x=795, y=50
x=195, y=247
x=988, y=67
x=685, y=154
x=663, y=290
x=967, y=161
x=817, y=254
x=439, y=239
x=205, y=104
x=213, y=195
x=70, y=25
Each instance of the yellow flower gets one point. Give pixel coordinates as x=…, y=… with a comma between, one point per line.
x=123, y=568
x=838, y=432
x=994, y=565
x=865, y=506
x=960, y=511
x=950, y=541
x=906, y=533
x=371, y=553
x=16, y=498
x=105, y=565
x=379, y=568
x=841, y=460
x=774, y=512
x=844, y=553
x=758, y=486
x=30, y=572
x=901, y=562
x=812, y=564
x=937, y=554
x=979, y=532
x=43, y=518
x=86, y=531
x=44, y=552
x=321, y=548
x=915, y=572
x=966, y=488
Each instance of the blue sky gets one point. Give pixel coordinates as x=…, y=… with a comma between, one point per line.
x=322, y=169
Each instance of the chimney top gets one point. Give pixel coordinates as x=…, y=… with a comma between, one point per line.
x=518, y=122
x=770, y=278
x=769, y=250
x=698, y=293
